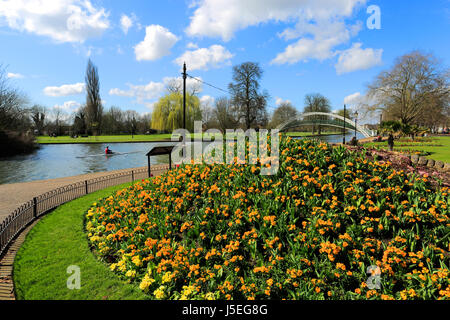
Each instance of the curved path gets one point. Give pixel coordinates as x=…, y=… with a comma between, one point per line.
x=14, y=195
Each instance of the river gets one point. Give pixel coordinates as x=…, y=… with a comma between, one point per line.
x=64, y=160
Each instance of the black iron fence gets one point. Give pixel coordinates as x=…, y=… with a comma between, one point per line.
x=40, y=205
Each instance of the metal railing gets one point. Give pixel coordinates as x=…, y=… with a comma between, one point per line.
x=40, y=205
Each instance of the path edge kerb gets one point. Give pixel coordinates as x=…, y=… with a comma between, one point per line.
x=16, y=226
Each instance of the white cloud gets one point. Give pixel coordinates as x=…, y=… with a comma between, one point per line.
x=317, y=41
x=222, y=18
x=192, y=45
x=353, y=99
x=205, y=58
x=11, y=75
x=207, y=101
x=355, y=59
x=320, y=25
x=68, y=106
x=126, y=23
x=279, y=101
x=147, y=94
x=61, y=20
x=142, y=93
x=157, y=43
x=65, y=90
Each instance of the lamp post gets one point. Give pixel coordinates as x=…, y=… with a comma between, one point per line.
x=356, y=121
x=343, y=135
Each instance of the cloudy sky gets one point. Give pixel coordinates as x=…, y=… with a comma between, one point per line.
x=334, y=47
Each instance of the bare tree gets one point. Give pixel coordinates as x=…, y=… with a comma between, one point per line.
x=175, y=85
x=225, y=114
x=283, y=113
x=246, y=96
x=94, y=106
x=131, y=121
x=410, y=88
x=79, y=122
x=317, y=103
x=12, y=105
x=59, y=120
x=38, y=115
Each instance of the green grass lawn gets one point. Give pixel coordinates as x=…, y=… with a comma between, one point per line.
x=58, y=241
x=439, y=147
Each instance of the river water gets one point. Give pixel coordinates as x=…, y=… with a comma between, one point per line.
x=64, y=160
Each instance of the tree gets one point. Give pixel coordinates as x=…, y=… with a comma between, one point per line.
x=94, y=108
x=38, y=115
x=317, y=103
x=175, y=85
x=225, y=114
x=250, y=103
x=168, y=112
x=131, y=117
x=410, y=88
x=283, y=113
x=79, y=122
x=13, y=115
x=59, y=117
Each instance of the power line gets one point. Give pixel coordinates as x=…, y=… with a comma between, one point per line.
x=217, y=88
x=208, y=84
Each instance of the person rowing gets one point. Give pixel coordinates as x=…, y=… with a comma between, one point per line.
x=108, y=150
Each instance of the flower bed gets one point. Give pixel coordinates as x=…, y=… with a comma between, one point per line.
x=309, y=232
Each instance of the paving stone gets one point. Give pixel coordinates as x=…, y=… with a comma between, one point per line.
x=422, y=161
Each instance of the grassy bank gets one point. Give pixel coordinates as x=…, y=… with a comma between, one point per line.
x=438, y=148
x=59, y=241
x=138, y=138
x=104, y=139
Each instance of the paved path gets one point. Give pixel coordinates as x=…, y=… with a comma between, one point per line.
x=13, y=195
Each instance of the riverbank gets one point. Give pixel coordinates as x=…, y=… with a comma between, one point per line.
x=159, y=138
x=104, y=139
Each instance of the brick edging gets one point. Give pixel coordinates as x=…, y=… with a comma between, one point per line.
x=424, y=161
x=7, y=264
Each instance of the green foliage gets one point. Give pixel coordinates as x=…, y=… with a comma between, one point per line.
x=168, y=112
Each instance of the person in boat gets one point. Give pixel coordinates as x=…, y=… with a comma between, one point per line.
x=108, y=150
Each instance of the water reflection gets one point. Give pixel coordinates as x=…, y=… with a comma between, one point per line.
x=55, y=161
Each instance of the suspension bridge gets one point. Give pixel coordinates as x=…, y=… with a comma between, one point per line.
x=324, y=119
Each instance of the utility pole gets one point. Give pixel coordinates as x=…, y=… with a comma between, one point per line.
x=184, y=95
x=343, y=140
x=184, y=107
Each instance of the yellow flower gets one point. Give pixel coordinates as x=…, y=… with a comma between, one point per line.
x=159, y=293
x=130, y=273
x=147, y=281
x=137, y=261
x=167, y=277
x=210, y=296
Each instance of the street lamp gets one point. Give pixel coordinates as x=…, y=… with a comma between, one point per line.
x=356, y=121
x=344, y=132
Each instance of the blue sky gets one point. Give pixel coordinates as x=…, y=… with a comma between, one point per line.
x=303, y=46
